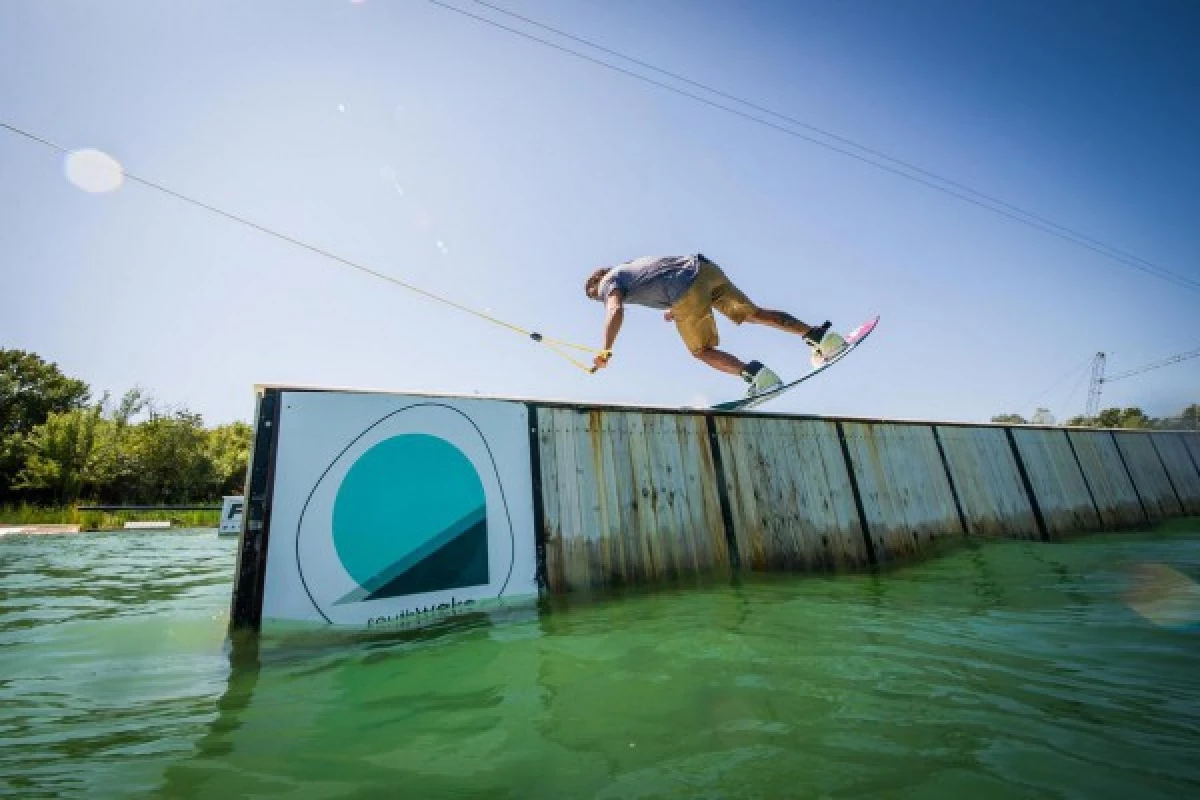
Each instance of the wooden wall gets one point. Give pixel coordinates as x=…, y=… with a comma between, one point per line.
x=1148, y=475
x=633, y=496
x=902, y=482
x=790, y=499
x=1181, y=469
x=628, y=498
x=1062, y=493
x=988, y=482
x=1116, y=498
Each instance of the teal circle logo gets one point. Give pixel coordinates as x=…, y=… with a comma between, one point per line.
x=410, y=516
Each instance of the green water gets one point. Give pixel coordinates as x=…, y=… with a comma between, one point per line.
x=1010, y=670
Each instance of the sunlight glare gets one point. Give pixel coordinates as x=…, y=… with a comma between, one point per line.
x=93, y=171
x=1164, y=596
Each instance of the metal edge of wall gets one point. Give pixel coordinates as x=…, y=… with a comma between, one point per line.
x=251, y=570
x=1167, y=472
x=718, y=464
x=1188, y=449
x=864, y=526
x=723, y=493
x=1129, y=473
x=1024, y=473
x=539, y=508
x=1086, y=483
x=962, y=517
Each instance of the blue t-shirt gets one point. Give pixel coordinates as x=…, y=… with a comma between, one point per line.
x=654, y=281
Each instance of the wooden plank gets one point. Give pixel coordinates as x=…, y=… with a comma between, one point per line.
x=1173, y=451
x=593, y=542
x=608, y=566
x=1192, y=440
x=551, y=509
x=743, y=492
x=846, y=534
x=906, y=540
x=1057, y=481
x=755, y=479
x=829, y=518
x=633, y=565
x=684, y=460
x=793, y=545
x=668, y=492
x=877, y=503
x=703, y=506
x=989, y=485
x=804, y=515
x=613, y=547
x=575, y=550
x=1149, y=477
x=932, y=510
x=1116, y=497
x=649, y=554
x=662, y=499
x=790, y=496
x=903, y=486
x=781, y=548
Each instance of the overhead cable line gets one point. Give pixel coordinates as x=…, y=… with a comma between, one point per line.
x=555, y=345
x=867, y=155
x=1113, y=251
x=1065, y=376
x=1166, y=362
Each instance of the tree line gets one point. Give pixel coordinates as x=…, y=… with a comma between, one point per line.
x=59, y=445
x=1131, y=417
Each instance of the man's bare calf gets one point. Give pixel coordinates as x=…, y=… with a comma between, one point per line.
x=779, y=319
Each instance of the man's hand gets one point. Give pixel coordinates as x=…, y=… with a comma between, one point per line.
x=668, y=315
x=615, y=308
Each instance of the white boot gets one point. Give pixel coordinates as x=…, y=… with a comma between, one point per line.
x=830, y=345
x=760, y=378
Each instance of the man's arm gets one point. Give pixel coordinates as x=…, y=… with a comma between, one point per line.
x=614, y=316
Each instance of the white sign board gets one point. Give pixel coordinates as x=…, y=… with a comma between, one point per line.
x=231, y=516
x=394, y=510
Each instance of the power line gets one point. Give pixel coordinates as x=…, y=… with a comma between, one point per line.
x=1165, y=362
x=555, y=345
x=1065, y=376
x=1078, y=384
x=868, y=155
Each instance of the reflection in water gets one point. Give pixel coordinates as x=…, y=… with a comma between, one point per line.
x=1005, y=670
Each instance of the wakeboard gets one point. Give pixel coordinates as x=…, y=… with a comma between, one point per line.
x=853, y=340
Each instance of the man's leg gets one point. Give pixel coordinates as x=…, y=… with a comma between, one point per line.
x=783, y=321
x=720, y=360
x=693, y=315
x=759, y=377
x=700, y=336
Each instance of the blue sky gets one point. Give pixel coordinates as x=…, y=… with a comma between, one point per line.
x=484, y=166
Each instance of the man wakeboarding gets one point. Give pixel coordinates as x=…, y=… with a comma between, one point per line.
x=689, y=288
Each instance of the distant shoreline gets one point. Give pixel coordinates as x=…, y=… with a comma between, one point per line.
x=69, y=519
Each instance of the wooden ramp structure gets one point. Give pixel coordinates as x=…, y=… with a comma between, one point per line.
x=351, y=517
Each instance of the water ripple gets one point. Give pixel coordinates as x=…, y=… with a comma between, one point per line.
x=1009, y=670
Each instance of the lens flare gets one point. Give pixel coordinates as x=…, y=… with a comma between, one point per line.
x=1164, y=596
x=93, y=171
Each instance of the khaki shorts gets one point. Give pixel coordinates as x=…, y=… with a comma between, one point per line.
x=694, y=311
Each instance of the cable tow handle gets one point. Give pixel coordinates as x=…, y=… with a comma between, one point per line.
x=603, y=355
x=559, y=347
